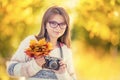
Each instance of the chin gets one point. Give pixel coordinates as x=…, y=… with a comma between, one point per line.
x=56, y=37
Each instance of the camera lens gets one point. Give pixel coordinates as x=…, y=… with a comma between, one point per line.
x=53, y=65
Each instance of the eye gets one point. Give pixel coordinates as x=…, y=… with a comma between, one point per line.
x=62, y=24
x=53, y=23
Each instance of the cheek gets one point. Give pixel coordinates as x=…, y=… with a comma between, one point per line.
x=49, y=30
x=63, y=31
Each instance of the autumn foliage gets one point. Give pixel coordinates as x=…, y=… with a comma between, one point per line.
x=38, y=48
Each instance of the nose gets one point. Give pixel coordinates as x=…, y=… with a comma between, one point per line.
x=58, y=27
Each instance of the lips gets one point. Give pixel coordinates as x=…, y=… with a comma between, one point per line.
x=56, y=32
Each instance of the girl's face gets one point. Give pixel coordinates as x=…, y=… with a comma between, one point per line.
x=56, y=26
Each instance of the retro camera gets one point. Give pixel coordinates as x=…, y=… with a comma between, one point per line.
x=51, y=63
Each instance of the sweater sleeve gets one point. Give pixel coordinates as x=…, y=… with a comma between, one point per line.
x=20, y=64
x=70, y=72
x=70, y=65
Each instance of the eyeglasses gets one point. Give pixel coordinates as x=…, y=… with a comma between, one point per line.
x=55, y=24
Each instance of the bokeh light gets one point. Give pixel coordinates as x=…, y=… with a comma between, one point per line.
x=95, y=28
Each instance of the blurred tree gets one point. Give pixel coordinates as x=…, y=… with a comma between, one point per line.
x=17, y=20
x=99, y=22
x=96, y=22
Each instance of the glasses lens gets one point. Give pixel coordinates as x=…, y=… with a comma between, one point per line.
x=55, y=24
x=62, y=25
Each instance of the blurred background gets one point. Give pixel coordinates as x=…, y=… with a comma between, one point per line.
x=95, y=28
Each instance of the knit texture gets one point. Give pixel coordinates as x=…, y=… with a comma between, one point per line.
x=22, y=65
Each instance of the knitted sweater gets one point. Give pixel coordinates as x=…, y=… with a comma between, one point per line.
x=21, y=65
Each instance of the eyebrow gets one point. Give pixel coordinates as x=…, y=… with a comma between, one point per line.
x=56, y=21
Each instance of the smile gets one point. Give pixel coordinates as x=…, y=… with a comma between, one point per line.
x=56, y=32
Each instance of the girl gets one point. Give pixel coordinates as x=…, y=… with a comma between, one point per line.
x=55, y=29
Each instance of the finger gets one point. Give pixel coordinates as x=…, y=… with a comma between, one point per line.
x=61, y=63
x=63, y=66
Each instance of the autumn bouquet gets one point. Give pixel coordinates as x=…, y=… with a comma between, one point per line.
x=38, y=48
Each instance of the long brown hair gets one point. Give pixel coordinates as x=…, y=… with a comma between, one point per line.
x=65, y=38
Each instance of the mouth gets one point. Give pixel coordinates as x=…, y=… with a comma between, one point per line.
x=56, y=32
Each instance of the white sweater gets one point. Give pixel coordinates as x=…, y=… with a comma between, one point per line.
x=22, y=65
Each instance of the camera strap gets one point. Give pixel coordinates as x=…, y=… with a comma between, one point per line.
x=61, y=52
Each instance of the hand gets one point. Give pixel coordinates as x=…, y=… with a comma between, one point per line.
x=40, y=60
x=62, y=67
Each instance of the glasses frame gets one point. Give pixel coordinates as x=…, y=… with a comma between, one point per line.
x=61, y=25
